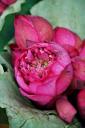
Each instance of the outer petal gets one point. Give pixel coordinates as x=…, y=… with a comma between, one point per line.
x=62, y=69
x=65, y=109
x=8, y=2
x=39, y=99
x=69, y=40
x=24, y=31
x=62, y=56
x=64, y=80
x=79, y=68
x=33, y=28
x=47, y=87
x=43, y=28
x=16, y=52
x=41, y=93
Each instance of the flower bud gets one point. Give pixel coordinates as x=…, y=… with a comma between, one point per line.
x=65, y=109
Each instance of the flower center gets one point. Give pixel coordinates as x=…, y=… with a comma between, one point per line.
x=35, y=62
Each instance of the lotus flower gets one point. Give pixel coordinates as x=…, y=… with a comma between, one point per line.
x=65, y=109
x=32, y=28
x=8, y=2
x=43, y=71
x=81, y=103
x=68, y=39
x=46, y=62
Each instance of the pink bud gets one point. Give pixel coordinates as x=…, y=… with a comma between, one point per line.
x=65, y=109
x=68, y=39
x=33, y=28
x=81, y=103
x=8, y=2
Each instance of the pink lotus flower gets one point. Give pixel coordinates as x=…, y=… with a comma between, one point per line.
x=8, y=2
x=65, y=109
x=68, y=39
x=43, y=71
x=32, y=28
x=81, y=103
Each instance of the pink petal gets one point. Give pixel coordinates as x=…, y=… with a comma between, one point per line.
x=64, y=80
x=24, y=31
x=31, y=28
x=79, y=68
x=43, y=28
x=45, y=88
x=16, y=52
x=40, y=99
x=57, y=69
x=65, y=109
x=68, y=39
x=61, y=54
